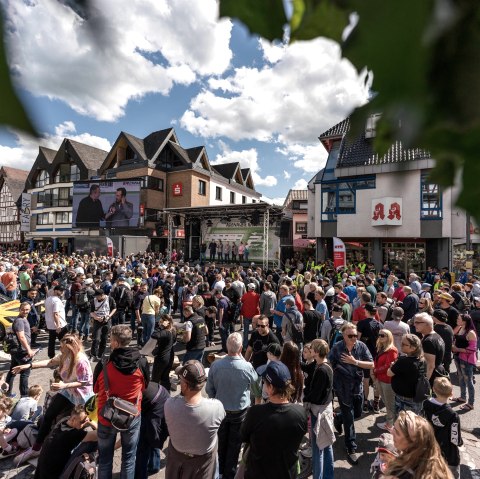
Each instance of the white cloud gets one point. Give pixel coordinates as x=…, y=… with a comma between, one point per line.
x=144, y=47
x=247, y=159
x=273, y=201
x=308, y=158
x=23, y=154
x=286, y=175
x=306, y=90
x=300, y=184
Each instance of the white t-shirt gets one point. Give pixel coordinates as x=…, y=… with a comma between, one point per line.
x=53, y=304
x=398, y=329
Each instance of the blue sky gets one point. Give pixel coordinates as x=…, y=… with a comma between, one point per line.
x=175, y=64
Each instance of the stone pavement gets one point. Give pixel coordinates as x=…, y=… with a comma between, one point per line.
x=367, y=435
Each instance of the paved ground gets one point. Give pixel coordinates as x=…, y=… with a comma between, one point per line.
x=367, y=435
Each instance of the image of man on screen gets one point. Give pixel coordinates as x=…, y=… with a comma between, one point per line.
x=90, y=210
x=119, y=212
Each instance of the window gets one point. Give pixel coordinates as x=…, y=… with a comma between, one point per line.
x=299, y=205
x=63, y=218
x=301, y=228
x=42, y=179
x=254, y=201
x=244, y=199
x=44, y=219
x=66, y=173
x=56, y=197
x=339, y=196
x=154, y=183
x=202, y=187
x=232, y=197
x=431, y=199
x=218, y=193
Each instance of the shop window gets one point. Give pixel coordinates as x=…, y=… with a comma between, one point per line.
x=339, y=196
x=218, y=193
x=301, y=228
x=404, y=255
x=431, y=199
x=202, y=187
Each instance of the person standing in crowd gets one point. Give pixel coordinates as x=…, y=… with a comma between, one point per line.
x=55, y=318
x=267, y=302
x=250, y=307
x=25, y=281
x=318, y=401
x=85, y=309
x=409, y=303
x=259, y=341
x=213, y=249
x=229, y=381
x=387, y=354
x=194, y=335
x=292, y=324
x=123, y=298
x=349, y=358
x=273, y=431
x=312, y=321
x=23, y=353
x=138, y=298
x=163, y=354
x=445, y=302
x=193, y=422
x=405, y=373
x=102, y=309
x=446, y=333
x=279, y=311
x=150, y=309
x=465, y=350
x=9, y=280
x=224, y=317
x=74, y=387
x=432, y=345
x=33, y=315
x=397, y=327
x=128, y=376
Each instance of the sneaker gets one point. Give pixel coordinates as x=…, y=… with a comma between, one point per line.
x=366, y=406
x=6, y=454
x=352, y=457
x=385, y=427
x=25, y=456
x=337, y=424
x=376, y=405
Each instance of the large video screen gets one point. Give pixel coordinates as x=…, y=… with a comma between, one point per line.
x=106, y=204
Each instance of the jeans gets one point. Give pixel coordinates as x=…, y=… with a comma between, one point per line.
x=347, y=416
x=24, y=375
x=322, y=460
x=227, y=258
x=119, y=317
x=193, y=354
x=72, y=324
x=210, y=322
x=107, y=437
x=133, y=321
x=407, y=404
x=148, y=323
x=225, y=330
x=203, y=257
x=465, y=377
x=230, y=443
x=84, y=323
x=246, y=329
x=52, y=337
x=100, y=336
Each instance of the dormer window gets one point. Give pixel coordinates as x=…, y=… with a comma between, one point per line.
x=66, y=173
x=130, y=154
x=42, y=179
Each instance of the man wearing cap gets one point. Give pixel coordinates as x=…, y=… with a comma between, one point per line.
x=193, y=422
x=446, y=333
x=274, y=431
x=101, y=311
x=445, y=303
x=280, y=308
x=425, y=292
x=250, y=307
x=55, y=318
x=229, y=381
x=342, y=300
x=397, y=327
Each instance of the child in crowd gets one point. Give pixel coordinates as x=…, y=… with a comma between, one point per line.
x=27, y=407
x=274, y=351
x=386, y=452
x=446, y=423
x=6, y=434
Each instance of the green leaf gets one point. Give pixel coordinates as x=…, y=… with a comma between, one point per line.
x=12, y=113
x=314, y=18
x=263, y=17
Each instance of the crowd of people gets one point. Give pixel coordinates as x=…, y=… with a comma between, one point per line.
x=289, y=343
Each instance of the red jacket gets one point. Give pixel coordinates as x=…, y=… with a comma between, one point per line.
x=299, y=303
x=383, y=362
x=250, y=303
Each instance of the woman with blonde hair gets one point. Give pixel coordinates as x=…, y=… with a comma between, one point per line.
x=425, y=305
x=386, y=354
x=419, y=453
x=73, y=388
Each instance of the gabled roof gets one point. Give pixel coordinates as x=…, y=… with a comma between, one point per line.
x=336, y=131
x=227, y=170
x=48, y=153
x=90, y=156
x=136, y=144
x=15, y=180
x=295, y=195
x=182, y=153
x=194, y=153
x=245, y=173
x=154, y=142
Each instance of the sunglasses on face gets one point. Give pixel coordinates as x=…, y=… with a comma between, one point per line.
x=382, y=335
x=351, y=336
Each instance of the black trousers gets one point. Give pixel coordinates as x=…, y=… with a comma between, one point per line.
x=52, y=337
x=24, y=375
x=100, y=337
x=161, y=370
x=230, y=443
x=60, y=404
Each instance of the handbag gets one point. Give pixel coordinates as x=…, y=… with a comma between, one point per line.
x=119, y=412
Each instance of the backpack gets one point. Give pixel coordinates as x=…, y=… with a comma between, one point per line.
x=297, y=330
x=83, y=466
x=422, y=389
x=123, y=300
x=463, y=304
x=10, y=343
x=82, y=300
x=335, y=333
x=27, y=436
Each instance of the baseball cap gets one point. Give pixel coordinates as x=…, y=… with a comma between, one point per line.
x=192, y=371
x=441, y=315
x=251, y=286
x=426, y=285
x=277, y=374
x=398, y=312
x=122, y=278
